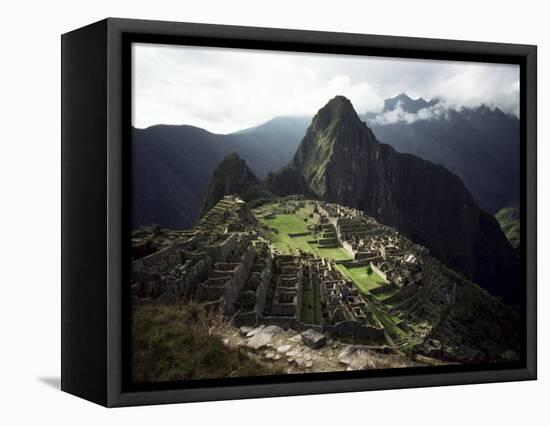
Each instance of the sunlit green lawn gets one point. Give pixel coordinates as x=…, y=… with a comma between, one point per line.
x=287, y=223
x=360, y=276
x=293, y=224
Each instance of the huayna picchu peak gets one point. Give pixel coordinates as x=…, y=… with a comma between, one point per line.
x=342, y=162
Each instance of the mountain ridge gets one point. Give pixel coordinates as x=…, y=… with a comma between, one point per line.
x=344, y=163
x=481, y=146
x=172, y=164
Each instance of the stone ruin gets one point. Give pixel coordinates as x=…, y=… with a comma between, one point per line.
x=225, y=263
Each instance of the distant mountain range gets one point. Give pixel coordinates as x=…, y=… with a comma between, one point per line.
x=406, y=103
x=340, y=160
x=480, y=145
x=172, y=164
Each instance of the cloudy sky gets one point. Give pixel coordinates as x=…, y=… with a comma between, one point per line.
x=225, y=90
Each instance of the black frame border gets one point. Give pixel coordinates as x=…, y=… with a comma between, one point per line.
x=121, y=33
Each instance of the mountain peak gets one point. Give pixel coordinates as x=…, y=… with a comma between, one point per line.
x=340, y=105
x=403, y=97
x=232, y=176
x=232, y=158
x=339, y=109
x=233, y=168
x=339, y=100
x=407, y=103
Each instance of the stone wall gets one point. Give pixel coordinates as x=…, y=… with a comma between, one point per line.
x=356, y=330
x=379, y=272
x=222, y=251
x=185, y=285
x=299, y=296
x=348, y=248
x=384, y=289
x=261, y=291
x=238, y=280
x=298, y=234
x=283, y=322
x=158, y=262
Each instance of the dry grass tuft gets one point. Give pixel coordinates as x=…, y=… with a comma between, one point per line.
x=181, y=342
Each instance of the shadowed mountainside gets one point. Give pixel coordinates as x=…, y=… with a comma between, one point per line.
x=339, y=160
x=233, y=176
x=342, y=162
x=509, y=220
x=171, y=165
x=480, y=145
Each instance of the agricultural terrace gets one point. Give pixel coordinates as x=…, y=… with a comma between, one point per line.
x=291, y=232
x=279, y=228
x=278, y=225
x=363, y=276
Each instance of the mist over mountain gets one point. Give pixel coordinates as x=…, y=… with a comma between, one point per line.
x=480, y=145
x=271, y=145
x=172, y=164
x=343, y=162
x=407, y=104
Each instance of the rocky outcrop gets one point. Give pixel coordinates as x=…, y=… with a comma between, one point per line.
x=288, y=181
x=342, y=162
x=290, y=350
x=313, y=339
x=233, y=177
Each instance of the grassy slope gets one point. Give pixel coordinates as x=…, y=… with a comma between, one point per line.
x=289, y=245
x=365, y=283
x=293, y=224
x=174, y=342
x=508, y=218
x=361, y=278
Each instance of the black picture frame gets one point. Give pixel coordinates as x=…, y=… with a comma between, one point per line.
x=96, y=89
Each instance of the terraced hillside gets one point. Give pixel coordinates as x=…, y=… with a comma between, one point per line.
x=409, y=293
x=301, y=285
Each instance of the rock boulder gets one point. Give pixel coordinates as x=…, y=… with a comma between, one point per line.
x=314, y=339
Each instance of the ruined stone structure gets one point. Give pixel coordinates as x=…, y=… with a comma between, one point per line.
x=382, y=248
x=226, y=264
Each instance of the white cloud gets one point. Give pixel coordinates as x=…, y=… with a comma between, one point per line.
x=398, y=114
x=469, y=85
x=224, y=90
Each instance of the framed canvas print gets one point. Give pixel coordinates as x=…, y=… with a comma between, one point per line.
x=252, y=212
